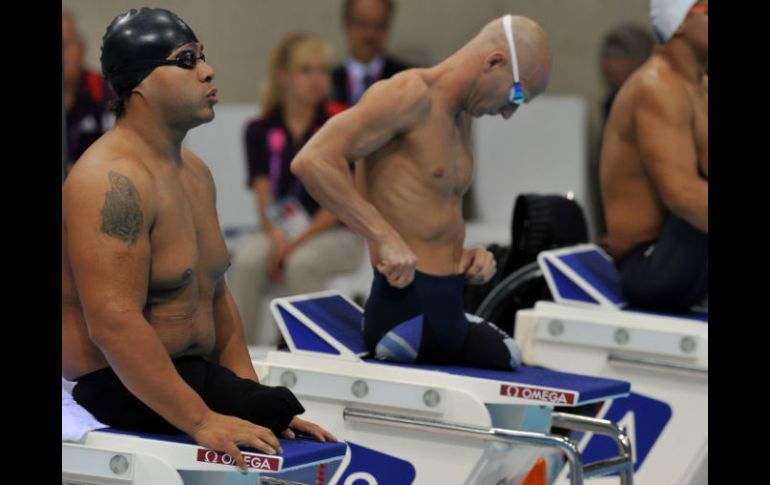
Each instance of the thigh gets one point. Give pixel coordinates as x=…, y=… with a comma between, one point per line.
x=670, y=273
x=445, y=324
x=680, y=248
x=104, y=395
x=387, y=308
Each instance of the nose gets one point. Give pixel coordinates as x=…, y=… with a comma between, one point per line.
x=206, y=71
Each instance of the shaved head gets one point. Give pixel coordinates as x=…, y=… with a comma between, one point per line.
x=532, y=50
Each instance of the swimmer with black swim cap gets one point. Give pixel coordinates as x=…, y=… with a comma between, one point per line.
x=139, y=41
x=150, y=331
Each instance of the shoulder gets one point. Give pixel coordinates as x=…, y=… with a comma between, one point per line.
x=198, y=167
x=657, y=89
x=92, y=179
x=407, y=91
x=410, y=79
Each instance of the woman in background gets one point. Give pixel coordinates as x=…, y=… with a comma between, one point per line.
x=299, y=244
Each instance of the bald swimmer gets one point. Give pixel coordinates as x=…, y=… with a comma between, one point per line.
x=410, y=136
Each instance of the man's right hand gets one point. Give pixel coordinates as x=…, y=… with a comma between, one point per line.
x=224, y=433
x=397, y=262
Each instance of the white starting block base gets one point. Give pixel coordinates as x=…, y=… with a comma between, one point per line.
x=664, y=356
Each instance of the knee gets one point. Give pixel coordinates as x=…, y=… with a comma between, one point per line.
x=489, y=347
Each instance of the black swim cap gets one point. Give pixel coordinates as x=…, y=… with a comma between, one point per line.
x=137, y=42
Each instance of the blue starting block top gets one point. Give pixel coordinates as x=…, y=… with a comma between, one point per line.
x=323, y=322
x=587, y=387
x=585, y=275
x=328, y=323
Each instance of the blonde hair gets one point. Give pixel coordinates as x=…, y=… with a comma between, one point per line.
x=291, y=51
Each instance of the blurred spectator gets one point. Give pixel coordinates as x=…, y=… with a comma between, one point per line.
x=624, y=48
x=299, y=244
x=366, y=24
x=86, y=94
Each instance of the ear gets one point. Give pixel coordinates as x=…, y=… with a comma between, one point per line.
x=493, y=59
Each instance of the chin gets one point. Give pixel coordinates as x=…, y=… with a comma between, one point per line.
x=201, y=119
x=208, y=115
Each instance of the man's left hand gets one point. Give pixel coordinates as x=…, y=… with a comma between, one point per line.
x=478, y=265
x=298, y=425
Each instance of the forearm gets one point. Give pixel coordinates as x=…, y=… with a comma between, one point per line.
x=144, y=366
x=329, y=181
x=230, y=349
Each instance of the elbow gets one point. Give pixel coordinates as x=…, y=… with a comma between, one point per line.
x=300, y=166
x=107, y=329
x=101, y=336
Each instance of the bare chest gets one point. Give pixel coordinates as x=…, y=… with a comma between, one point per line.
x=186, y=241
x=441, y=153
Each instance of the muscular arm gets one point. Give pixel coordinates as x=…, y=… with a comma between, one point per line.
x=109, y=214
x=666, y=142
x=387, y=109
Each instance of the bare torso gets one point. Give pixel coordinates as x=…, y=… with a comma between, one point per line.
x=417, y=180
x=634, y=209
x=188, y=256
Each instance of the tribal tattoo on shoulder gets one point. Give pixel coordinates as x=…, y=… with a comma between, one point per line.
x=122, y=217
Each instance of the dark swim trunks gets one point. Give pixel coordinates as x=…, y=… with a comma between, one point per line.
x=425, y=323
x=670, y=273
x=103, y=394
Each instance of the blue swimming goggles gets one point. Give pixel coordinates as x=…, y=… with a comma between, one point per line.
x=516, y=95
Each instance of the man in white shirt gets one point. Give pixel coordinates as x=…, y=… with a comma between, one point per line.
x=366, y=24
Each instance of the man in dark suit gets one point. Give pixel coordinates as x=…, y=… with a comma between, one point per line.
x=366, y=24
